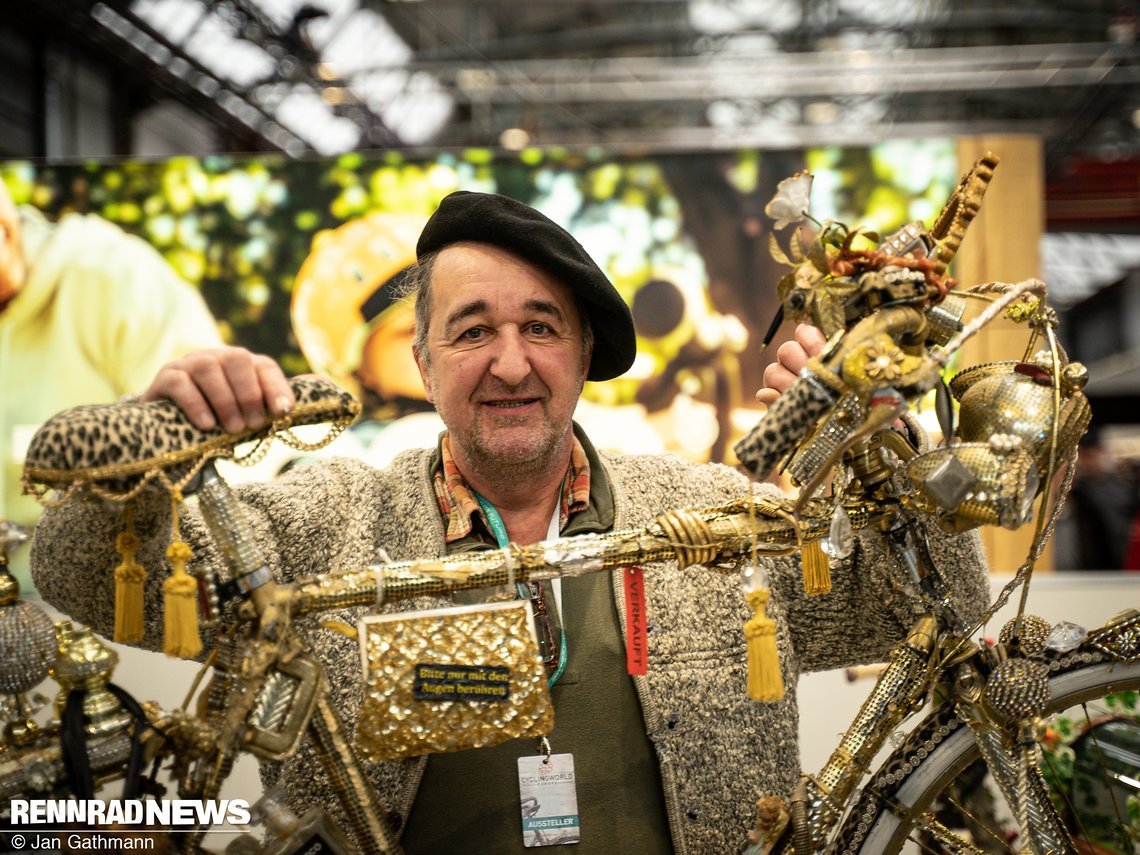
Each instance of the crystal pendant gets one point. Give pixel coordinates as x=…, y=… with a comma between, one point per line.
x=1066, y=636
x=840, y=537
x=1029, y=494
x=753, y=578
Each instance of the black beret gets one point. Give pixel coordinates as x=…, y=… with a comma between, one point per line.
x=523, y=231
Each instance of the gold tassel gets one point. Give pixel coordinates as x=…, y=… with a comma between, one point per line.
x=765, y=683
x=817, y=572
x=180, y=604
x=130, y=580
x=764, y=680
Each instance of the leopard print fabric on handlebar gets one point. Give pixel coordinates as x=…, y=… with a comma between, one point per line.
x=787, y=422
x=116, y=448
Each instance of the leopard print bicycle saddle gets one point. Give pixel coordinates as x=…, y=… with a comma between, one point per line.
x=116, y=448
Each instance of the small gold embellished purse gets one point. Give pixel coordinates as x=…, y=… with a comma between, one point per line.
x=450, y=679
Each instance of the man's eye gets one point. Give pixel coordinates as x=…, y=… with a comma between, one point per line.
x=473, y=334
x=538, y=328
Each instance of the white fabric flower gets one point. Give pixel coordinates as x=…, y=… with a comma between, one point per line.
x=790, y=204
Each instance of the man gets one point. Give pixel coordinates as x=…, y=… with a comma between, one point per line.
x=513, y=318
x=1102, y=506
x=88, y=313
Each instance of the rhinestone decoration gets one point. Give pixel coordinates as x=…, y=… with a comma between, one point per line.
x=1004, y=443
x=949, y=483
x=911, y=238
x=1119, y=640
x=884, y=363
x=945, y=319
x=840, y=536
x=27, y=638
x=1032, y=482
x=753, y=578
x=848, y=414
x=1031, y=636
x=1017, y=688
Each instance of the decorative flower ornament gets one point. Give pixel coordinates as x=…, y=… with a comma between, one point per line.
x=792, y=199
x=884, y=363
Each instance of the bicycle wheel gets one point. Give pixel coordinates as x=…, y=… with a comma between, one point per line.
x=939, y=761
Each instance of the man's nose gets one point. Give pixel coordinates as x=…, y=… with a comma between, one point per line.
x=511, y=364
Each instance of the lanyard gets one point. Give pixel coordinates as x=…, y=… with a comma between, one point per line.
x=499, y=530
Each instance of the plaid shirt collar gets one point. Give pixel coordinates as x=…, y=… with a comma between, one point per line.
x=458, y=506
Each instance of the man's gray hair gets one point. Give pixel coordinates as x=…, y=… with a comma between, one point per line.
x=417, y=285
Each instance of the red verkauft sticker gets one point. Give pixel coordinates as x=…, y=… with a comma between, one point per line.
x=636, y=646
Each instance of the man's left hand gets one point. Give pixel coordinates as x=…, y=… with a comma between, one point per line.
x=791, y=357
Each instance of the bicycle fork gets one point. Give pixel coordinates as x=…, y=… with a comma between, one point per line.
x=1001, y=710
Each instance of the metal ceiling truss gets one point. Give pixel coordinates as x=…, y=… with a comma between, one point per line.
x=641, y=73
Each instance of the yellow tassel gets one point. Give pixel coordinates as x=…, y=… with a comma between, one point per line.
x=817, y=573
x=130, y=579
x=181, y=606
x=764, y=680
x=180, y=602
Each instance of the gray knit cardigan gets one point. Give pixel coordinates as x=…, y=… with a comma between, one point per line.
x=721, y=751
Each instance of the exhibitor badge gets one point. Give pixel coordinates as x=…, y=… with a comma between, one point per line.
x=549, y=800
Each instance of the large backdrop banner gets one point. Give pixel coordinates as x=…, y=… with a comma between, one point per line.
x=301, y=260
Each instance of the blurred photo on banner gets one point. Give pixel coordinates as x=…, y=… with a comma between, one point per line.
x=301, y=259
x=88, y=313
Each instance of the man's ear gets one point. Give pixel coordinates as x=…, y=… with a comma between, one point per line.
x=424, y=375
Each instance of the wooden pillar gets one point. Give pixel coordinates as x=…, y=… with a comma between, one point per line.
x=1003, y=245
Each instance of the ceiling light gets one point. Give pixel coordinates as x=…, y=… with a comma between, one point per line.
x=514, y=139
x=821, y=113
x=474, y=78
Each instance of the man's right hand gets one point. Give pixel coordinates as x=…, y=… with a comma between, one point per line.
x=229, y=386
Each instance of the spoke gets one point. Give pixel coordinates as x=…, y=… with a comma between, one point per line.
x=945, y=836
x=1077, y=826
x=1064, y=796
x=1121, y=827
x=919, y=843
x=998, y=837
x=927, y=822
